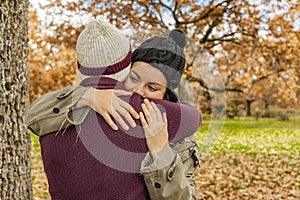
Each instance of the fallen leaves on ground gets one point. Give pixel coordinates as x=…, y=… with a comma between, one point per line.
x=243, y=176
x=230, y=176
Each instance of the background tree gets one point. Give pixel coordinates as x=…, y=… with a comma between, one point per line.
x=15, y=176
x=253, y=45
x=51, y=60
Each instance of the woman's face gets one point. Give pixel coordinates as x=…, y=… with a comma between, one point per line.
x=146, y=80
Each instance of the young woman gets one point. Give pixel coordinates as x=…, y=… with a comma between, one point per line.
x=168, y=167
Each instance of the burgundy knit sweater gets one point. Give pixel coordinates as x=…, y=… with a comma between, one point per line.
x=92, y=161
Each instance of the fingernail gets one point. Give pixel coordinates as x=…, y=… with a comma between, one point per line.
x=133, y=125
x=126, y=128
x=146, y=101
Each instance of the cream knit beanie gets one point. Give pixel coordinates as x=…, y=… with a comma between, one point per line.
x=104, y=50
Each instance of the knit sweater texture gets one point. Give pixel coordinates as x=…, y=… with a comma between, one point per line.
x=92, y=161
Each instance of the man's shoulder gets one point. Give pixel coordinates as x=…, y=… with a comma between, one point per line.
x=48, y=100
x=50, y=106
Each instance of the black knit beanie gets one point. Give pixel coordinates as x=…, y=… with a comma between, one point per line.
x=165, y=54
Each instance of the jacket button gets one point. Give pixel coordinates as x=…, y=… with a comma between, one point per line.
x=171, y=174
x=55, y=110
x=157, y=185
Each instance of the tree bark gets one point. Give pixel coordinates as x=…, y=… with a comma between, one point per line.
x=15, y=142
x=248, y=107
x=186, y=94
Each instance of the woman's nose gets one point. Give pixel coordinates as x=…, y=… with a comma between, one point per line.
x=139, y=90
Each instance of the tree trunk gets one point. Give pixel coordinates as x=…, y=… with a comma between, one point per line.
x=15, y=143
x=186, y=94
x=248, y=107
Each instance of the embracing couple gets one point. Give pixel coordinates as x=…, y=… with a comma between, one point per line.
x=121, y=133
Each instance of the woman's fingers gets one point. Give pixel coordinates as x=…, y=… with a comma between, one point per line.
x=150, y=107
x=152, y=114
x=150, y=111
x=122, y=93
x=110, y=122
x=144, y=123
x=126, y=105
x=157, y=112
x=122, y=110
x=120, y=120
x=147, y=113
x=129, y=110
x=113, y=109
x=155, y=127
x=165, y=119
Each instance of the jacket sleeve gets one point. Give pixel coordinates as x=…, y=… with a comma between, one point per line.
x=52, y=111
x=172, y=175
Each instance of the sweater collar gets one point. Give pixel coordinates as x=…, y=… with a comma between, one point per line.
x=101, y=82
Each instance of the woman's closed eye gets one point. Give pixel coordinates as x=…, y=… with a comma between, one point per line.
x=133, y=79
x=152, y=88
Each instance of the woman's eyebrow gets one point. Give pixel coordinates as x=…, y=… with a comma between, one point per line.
x=150, y=83
x=136, y=74
x=153, y=83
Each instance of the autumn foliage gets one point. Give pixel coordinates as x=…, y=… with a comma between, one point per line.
x=254, y=46
x=249, y=50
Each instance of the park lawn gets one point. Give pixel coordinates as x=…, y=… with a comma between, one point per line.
x=252, y=137
x=251, y=160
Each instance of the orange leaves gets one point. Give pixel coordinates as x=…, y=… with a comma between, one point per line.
x=52, y=61
x=248, y=42
x=242, y=176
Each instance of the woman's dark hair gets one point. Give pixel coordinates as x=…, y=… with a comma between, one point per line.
x=170, y=96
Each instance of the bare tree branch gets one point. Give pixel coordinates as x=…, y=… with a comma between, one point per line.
x=208, y=12
x=215, y=22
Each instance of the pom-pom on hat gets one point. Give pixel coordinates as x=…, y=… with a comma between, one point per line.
x=102, y=49
x=165, y=54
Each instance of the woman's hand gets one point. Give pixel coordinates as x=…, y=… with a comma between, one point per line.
x=108, y=104
x=155, y=127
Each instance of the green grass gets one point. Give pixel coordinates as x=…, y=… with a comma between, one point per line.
x=244, y=136
x=250, y=158
x=251, y=137
x=35, y=141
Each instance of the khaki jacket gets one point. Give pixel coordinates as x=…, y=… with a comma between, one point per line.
x=57, y=110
